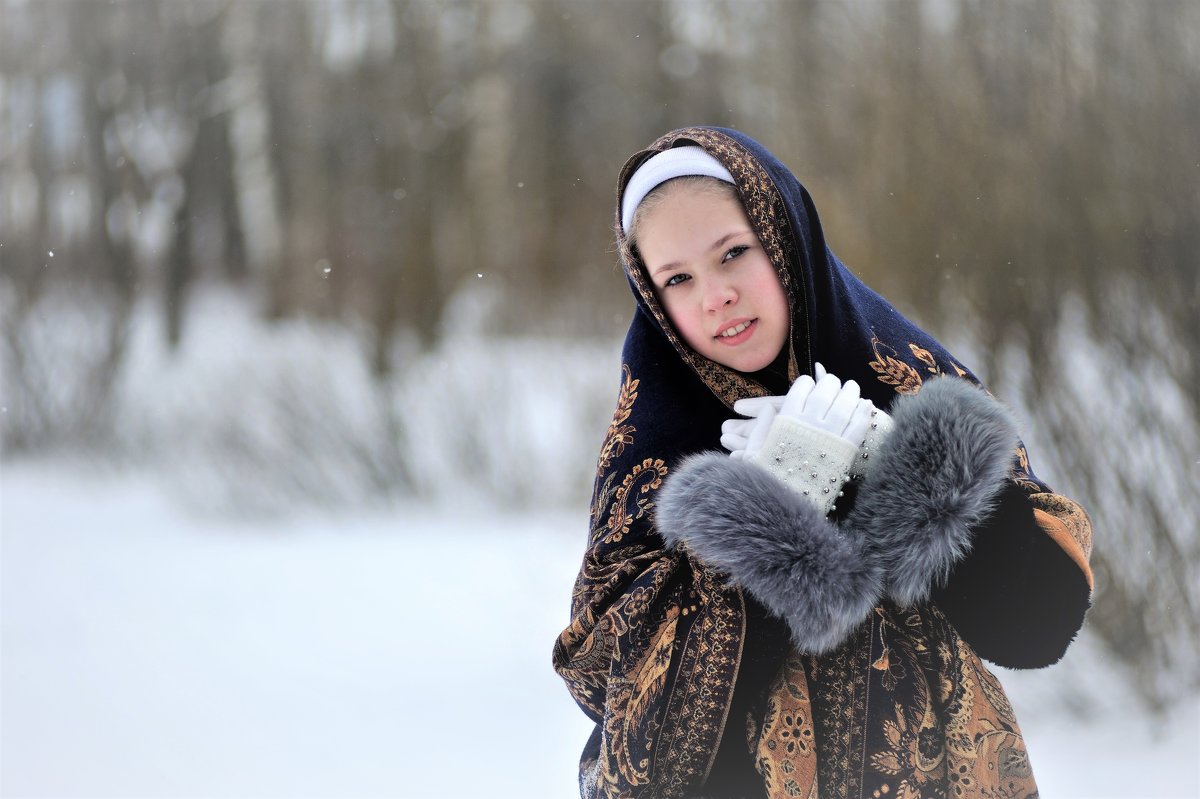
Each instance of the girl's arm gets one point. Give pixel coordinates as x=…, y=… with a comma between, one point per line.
x=938, y=517
x=1020, y=595
x=942, y=511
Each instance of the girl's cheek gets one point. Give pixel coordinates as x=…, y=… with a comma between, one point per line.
x=675, y=314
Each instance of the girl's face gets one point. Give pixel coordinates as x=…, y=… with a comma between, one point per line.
x=713, y=277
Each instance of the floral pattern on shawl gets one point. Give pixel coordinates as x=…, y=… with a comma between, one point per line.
x=903, y=709
x=652, y=650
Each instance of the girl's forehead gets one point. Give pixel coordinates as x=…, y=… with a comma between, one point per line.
x=689, y=221
x=691, y=203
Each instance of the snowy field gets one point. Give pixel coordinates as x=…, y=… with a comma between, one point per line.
x=149, y=653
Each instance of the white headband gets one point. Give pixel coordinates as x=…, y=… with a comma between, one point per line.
x=674, y=163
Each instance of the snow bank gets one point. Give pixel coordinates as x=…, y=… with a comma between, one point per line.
x=147, y=654
x=405, y=653
x=256, y=417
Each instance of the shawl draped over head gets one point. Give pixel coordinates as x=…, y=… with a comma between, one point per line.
x=658, y=641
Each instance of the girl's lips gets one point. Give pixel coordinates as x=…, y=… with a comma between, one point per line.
x=733, y=341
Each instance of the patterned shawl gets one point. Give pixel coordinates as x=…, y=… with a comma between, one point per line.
x=656, y=640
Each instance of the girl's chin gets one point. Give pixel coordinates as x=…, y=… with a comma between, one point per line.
x=748, y=363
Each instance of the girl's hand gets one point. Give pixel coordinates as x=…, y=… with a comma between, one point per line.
x=828, y=405
x=824, y=403
x=811, y=440
x=744, y=437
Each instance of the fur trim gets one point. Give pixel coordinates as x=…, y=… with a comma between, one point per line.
x=774, y=543
x=935, y=478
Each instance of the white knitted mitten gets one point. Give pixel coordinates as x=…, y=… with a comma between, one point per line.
x=744, y=437
x=877, y=433
x=814, y=440
x=808, y=460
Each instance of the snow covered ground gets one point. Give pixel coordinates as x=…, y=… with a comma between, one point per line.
x=148, y=653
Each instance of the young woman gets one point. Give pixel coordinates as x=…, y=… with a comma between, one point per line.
x=802, y=611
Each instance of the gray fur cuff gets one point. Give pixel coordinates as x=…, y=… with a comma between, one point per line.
x=937, y=476
x=775, y=544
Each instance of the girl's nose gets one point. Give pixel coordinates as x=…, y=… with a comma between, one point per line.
x=717, y=295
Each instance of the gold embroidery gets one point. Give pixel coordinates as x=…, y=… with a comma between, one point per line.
x=634, y=683
x=704, y=681
x=956, y=735
x=785, y=747
x=839, y=685
x=893, y=371
x=645, y=476
x=620, y=435
x=1023, y=459
x=1022, y=474
x=1072, y=516
x=925, y=357
x=640, y=696
x=654, y=642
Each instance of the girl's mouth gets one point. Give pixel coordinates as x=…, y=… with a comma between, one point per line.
x=738, y=333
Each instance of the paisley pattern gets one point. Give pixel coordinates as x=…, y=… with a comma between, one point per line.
x=631, y=500
x=904, y=709
x=947, y=729
x=653, y=647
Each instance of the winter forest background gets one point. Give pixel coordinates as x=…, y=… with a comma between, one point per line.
x=310, y=321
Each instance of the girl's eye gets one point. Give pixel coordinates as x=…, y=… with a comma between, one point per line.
x=675, y=280
x=734, y=252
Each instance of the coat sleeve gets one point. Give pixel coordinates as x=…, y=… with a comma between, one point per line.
x=958, y=519
x=1020, y=594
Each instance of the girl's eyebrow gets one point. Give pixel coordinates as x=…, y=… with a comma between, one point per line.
x=715, y=245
